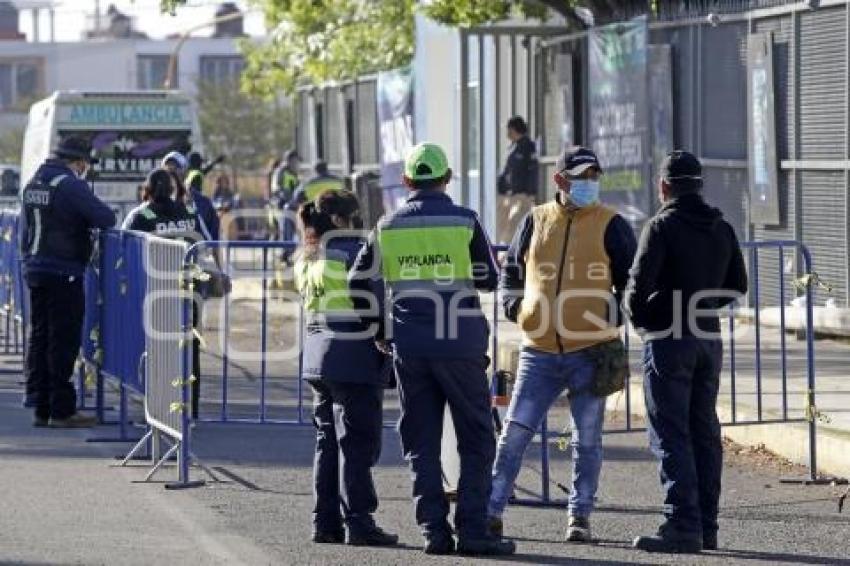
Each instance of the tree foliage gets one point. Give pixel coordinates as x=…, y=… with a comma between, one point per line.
x=321, y=40
x=314, y=41
x=244, y=128
x=11, y=145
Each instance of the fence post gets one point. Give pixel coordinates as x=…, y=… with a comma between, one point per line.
x=810, y=370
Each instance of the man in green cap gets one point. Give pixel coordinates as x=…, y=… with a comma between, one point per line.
x=434, y=256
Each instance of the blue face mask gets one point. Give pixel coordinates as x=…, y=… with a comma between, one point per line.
x=584, y=192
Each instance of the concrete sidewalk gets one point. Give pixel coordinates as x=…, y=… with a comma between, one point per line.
x=790, y=440
x=63, y=504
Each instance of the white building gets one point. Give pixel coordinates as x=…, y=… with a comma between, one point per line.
x=31, y=70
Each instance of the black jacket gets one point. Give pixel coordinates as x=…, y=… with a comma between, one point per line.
x=685, y=249
x=521, y=169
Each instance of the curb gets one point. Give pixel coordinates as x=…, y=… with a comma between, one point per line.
x=789, y=440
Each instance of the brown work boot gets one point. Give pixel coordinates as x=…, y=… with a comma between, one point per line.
x=77, y=420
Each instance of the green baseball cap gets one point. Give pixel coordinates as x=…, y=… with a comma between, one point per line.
x=425, y=161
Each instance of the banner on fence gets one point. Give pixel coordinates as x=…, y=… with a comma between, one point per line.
x=395, y=122
x=619, y=116
x=761, y=118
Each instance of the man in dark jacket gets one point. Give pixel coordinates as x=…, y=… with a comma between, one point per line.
x=517, y=184
x=688, y=266
x=58, y=213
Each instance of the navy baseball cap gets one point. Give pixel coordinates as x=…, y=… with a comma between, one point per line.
x=74, y=147
x=576, y=160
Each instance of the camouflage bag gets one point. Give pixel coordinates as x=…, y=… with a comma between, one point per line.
x=612, y=367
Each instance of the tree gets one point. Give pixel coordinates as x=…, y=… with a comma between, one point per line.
x=11, y=145
x=315, y=41
x=244, y=128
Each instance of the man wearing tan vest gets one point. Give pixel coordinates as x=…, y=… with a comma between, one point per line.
x=561, y=283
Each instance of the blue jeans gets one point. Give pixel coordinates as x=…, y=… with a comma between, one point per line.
x=541, y=379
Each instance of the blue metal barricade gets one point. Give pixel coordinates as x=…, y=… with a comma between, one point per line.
x=259, y=266
x=12, y=295
x=113, y=333
x=761, y=416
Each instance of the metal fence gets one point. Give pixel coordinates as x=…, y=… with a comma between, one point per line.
x=269, y=389
x=139, y=318
x=757, y=388
x=12, y=296
x=532, y=71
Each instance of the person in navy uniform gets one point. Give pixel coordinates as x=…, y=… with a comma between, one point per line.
x=344, y=367
x=59, y=212
x=160, y=214
x=434, y=257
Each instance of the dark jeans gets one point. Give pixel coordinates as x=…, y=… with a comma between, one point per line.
x=57, y=304
x=425, y=386
x=349, y=424
x=681, y=380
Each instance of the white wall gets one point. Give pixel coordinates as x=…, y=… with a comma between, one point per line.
x=436, y=73
x=107, y=65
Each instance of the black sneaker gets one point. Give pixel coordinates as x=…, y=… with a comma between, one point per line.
x=40, y=422
x=709, y=540
x=371, y=537
x=578, y=529
x=486, y=547
x=661, y=543
x=439, y=545
x=328, y=537
x=495, y=527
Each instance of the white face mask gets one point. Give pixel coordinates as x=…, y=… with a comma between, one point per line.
x=81, y=174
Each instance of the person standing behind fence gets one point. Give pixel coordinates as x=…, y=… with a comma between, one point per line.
x=434, y=255
x=689, y=265
x=344, y=368
x=59, y=210
x=561, y=282
x=160, y=214
x=198, y=170
x=191, y=194
x=517, y=184
x=311, y=188
x=285, y=181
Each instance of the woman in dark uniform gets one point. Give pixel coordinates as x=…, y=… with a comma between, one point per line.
x=161, y=214
x=344, y=368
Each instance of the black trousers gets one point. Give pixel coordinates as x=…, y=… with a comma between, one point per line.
x=57, y=305
x=349, y=422
x=681, y=382
x=426, y=386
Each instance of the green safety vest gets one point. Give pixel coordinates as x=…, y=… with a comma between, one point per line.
x=288, y=182
x=191, y=176
x=316, y=187
x=426, y=252
x=323, y=283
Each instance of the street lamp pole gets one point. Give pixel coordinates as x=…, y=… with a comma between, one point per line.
x=172, y=62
